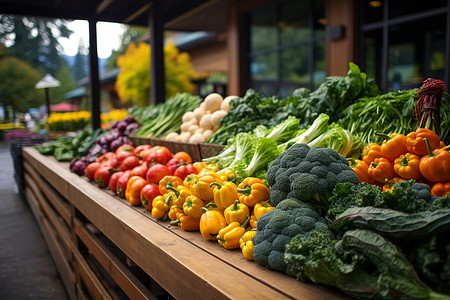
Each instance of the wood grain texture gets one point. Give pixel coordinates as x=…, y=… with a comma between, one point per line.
x=183, y=263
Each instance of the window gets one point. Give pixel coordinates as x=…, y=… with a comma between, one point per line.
x=402, y=45
x=286, y=47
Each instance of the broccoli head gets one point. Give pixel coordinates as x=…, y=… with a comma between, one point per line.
x=276, y=228
x=441, y=202
x=308, y=174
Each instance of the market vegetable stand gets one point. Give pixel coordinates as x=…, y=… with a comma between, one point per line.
x=105, y=249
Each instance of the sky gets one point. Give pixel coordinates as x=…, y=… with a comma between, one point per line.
x=108, y=37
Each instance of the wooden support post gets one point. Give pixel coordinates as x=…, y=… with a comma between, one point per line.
x=157, y=85
x=94, y=81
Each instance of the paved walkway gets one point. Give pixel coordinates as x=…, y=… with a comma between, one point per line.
x=27, y=270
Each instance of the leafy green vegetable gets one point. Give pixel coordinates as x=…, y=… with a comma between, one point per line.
x=169, y=116
x=362, y=264
x=394, y=224
x=406, y=196
x=389, y=113
x=264, y=152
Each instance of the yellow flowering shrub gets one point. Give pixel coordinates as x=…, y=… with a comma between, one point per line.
x=114, y=115
x=69, y=121
x=133, y=80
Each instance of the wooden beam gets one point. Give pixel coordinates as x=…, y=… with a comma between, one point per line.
x=94, y=81
x=157, y=85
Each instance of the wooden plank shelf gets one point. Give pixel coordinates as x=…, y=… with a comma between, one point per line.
x=142, y=257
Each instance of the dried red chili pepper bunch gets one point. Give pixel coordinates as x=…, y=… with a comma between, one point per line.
x=427, y=110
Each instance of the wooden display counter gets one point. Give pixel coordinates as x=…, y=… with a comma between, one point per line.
x=106, y=249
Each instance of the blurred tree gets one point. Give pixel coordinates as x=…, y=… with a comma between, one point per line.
x=133, y=80
x=81, y=62
x=17, y=85
x=133, y=34
x=34, y=40
x=67, y=84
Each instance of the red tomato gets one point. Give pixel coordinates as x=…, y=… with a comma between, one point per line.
x=122, y=183
x=184, y=170
x=157, y=172
x=184, y=156
x=148, y=193
x=173, y=164
x=129, y=163
x=91, y=169
x=113, y=181
x=140, y=171
x=102, y=175
x=105, y=157
x=124, y=151
x=159, y=154
x=141, y=148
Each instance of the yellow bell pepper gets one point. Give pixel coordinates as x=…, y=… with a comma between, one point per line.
x=193, y=206
x=174, y=212
x=253, y=220
x=246, y=244
x=201, y=185
x=227, y=174
x=262, y=208
x=189, y=180
x=180, y=193
x=161, y=205
x=211, y=222
x=212, y=167
x=224, y=194
x=236, y=212
x=252, y=190
x=229, y=236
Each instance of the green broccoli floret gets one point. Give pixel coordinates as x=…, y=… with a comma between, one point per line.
x=441, y=202
x=346, y=195
x=408, y=196
x=276, y=228
x=308, y=174
x=312, y=257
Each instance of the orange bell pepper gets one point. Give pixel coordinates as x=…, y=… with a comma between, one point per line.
x=186, y=223
x=199, y=166
x=370, y=152
x=380, y=169
x=252, y=222
x=361, y=169
x=441, y=189
x=407, y=166
x=415, y=141
x=211, y=222
x=252, y=190
x=393, y=146
x=237, y=212
x=436, y=165
x=169, y=181
x=133, y=191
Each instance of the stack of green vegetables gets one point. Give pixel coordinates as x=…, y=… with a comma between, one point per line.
x=336, y=93
x=251, y=152
x=329, y=229
x=162, y=119
x=65, y=148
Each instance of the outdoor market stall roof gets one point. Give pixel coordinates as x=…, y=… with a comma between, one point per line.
x=182, y=15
